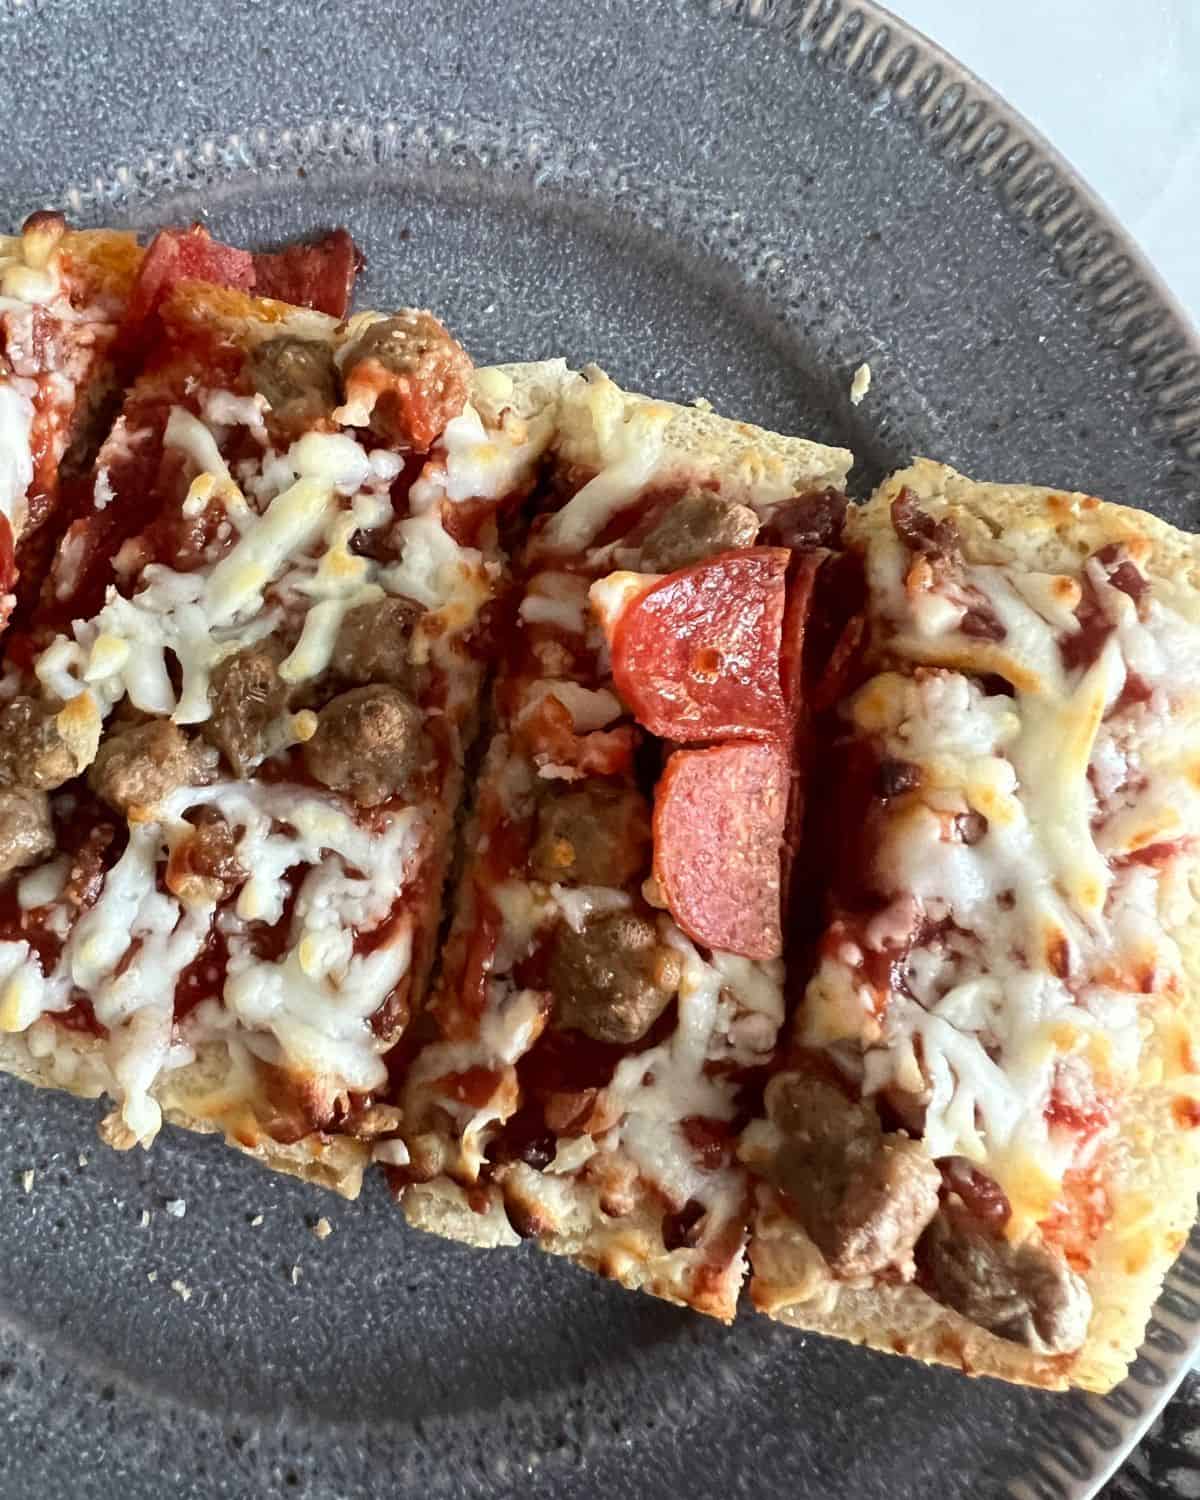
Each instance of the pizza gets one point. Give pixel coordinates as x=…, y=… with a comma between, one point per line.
x=979, y=1144
x=76, y=306
x=613, y=980
x=234, y=722
x=570, y=804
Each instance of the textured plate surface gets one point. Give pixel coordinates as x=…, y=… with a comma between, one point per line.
x=740, y=200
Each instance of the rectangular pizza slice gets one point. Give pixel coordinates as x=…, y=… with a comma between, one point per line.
x=981, y=1147
x=234, y=728
x=612, y=985
x=77, y=309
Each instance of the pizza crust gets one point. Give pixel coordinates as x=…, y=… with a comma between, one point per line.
x=627, y=1250
x=1156, y=1158
x=206, y=1096
x=748, y=463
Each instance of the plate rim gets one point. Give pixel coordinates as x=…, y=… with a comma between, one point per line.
x=968, y=123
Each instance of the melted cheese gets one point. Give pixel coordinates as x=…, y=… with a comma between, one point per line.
x=307, y=1011
x=632, y=447
x=291, y=562
x=559, y=599
x=1039, y=947
x=16, y=450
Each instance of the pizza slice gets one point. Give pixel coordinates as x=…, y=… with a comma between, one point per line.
x=234, y=728
x=612, y=985
x=77, y=307
x=981, y=1146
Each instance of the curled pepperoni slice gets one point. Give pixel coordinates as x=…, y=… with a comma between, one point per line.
x=697, y=656
x=718, y=834
x=319, y=275
x=176, y=255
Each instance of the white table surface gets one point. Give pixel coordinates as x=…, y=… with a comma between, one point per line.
x=1115, y=86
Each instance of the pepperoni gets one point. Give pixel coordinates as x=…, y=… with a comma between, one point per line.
x=718, y=834
x=8, y=567
x=319, y=275
x=697, y=657
x=176, y=255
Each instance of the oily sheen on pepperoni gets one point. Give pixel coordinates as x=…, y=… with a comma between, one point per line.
x=718, y=832
x=697, y=656
x=319, y=275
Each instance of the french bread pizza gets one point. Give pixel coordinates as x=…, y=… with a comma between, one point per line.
x=980, y=1146
x=570, y=804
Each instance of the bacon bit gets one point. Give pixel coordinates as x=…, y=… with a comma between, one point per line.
x=474, y=1086
x=1186, y=1111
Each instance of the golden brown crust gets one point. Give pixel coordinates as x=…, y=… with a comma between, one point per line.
x=1155, y=1163
x=210, y=1096
x=749, y=462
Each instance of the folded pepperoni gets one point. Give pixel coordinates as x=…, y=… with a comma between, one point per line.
x=697, y=656
x=718, y=834
x=319, y=275
x=176, y=255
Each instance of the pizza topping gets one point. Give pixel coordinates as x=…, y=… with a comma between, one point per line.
x=613, y=979
x=176, y=255
x=370, y=743
x=696, y=526
x=863, y=1196
x=697, y=655
x=247, y=697
x=320, y=275
x=598, y=835
x=26, y=832
x=1020, y=1292
x=374, y=643
x=718, y=831
x=405, y=377
x=136, y=767
x=204, y=863
x=298, y=378
x=813, y=519
x=34, y=752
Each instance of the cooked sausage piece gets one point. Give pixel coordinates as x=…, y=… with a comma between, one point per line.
x=863, y=1196
x=410, y=375
x=369, y=743
x=597, y=835
x=1024, y=1293
x=247, y=695
x=614, y=979
x=698, y=525
x=26, y=833
x=372, y=644
x=298, y=377
x=33, y=753
x=135, y=768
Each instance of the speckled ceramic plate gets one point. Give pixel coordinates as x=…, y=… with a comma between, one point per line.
x=742, y=200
